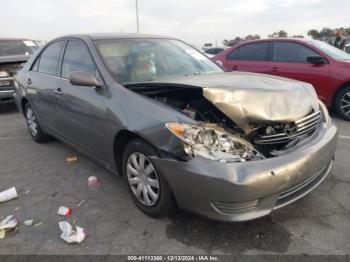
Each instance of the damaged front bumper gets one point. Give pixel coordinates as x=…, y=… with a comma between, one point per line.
x=248, y=190
x=7, y=90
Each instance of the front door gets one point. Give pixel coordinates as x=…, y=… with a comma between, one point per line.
x=81, y=110
x=290, y=60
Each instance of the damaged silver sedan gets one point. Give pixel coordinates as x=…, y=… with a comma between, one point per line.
x=180, y=130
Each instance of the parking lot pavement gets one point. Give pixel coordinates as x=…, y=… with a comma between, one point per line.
x=316, y=224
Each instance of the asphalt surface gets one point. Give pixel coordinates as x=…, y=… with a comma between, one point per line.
x=316, y=224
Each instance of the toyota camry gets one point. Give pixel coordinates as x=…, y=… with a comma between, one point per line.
x=231, y=146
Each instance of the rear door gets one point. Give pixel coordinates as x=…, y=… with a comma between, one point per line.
x=252, y=57
x=289, y=59
x=42, y=81
x=81, y=109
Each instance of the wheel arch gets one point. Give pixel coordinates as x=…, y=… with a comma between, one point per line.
x=337, y=91
x=24, y=101
x=121, y=139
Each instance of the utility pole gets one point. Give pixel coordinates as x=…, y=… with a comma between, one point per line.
x=137, y=16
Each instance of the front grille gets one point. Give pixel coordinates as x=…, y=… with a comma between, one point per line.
x=303, y=126
x=297, y=191
x=232, y=208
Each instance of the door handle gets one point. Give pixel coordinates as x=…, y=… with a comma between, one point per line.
x=29, y=81
x=274, y=69
x=234, y=67
x=58, y=91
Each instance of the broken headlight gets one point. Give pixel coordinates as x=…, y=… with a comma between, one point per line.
x=213, y=142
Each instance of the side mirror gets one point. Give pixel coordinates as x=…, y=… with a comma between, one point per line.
x=317, y=60
x=80, y=78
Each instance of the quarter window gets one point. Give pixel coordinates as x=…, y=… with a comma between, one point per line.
x=77, y=58
x=50, y=59
x=233, y=55
x=253, y=52
x=291, y=52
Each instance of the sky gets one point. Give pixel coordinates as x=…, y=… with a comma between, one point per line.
x=193, y=21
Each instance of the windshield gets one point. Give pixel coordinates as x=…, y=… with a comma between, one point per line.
x=17, y=47
x=330, y=50
x=139, y=60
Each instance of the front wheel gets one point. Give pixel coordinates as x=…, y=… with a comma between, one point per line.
x=146, y=185
x=33, y=125
x=342, y=103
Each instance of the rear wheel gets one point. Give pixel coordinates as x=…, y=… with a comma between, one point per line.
x=342, y=103
x=33, y=125
x=146, y=185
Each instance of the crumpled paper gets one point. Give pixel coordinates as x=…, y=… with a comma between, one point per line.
x=71, y=236
x=8, y=223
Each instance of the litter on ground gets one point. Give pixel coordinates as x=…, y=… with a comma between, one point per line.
x=8, y=195
x=80, y=203
x=72, y=159
x=64, y=211
x=28, y=222
x=2, y=233
x=71, y=236
x=37, y=224
x=94, y=182
x=8, y=224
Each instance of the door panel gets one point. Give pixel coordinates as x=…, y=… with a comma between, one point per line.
x=81, y=110
x=81, y=117
x=42, y=80
x=290, y=60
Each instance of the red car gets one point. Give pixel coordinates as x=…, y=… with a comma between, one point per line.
x=322, y=65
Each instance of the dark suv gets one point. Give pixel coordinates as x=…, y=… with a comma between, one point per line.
x=13, y=52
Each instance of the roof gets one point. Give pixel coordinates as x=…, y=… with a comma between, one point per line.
x=104, y=36
x=278, y=39
x=12, y=39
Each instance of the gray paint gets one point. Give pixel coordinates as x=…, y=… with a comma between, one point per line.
x=90, y=119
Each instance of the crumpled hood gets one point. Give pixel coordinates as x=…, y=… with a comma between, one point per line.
x=255, y=98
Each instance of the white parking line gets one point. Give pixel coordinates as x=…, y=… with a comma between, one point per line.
x=12, y=129
x=344, y=137
x=14, y=138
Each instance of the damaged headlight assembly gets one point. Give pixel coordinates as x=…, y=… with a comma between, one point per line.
x=214, y=143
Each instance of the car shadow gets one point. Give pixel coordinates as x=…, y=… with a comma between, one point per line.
x=8, y=108
x=264, y=234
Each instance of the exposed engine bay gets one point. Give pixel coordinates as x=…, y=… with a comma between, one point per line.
x=218, y=137
x=9, y=69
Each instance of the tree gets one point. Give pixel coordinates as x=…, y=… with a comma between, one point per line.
x=326, y=32
x=280, y=33
x=298, y=36
x=347, y=31
x=314, y=33
x=252, y=37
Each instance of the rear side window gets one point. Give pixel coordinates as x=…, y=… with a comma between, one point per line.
x=233, y=55
x=253, y=52
x=50, y=59
x=77, y=58
x=291, y=52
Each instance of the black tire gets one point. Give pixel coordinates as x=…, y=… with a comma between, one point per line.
x=165, y=203
x=344, y=94
x=39, y=136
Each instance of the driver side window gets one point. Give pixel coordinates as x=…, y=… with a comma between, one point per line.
x=77, y=58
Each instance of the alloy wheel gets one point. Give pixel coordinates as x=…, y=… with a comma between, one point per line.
x=142, y=179
x=345, y=103
x=31, y=122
